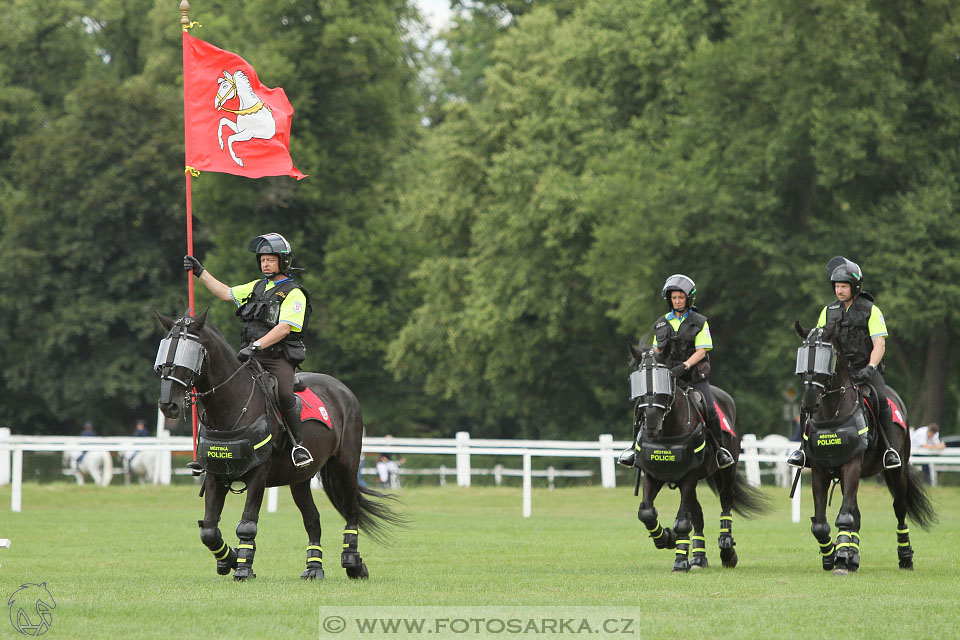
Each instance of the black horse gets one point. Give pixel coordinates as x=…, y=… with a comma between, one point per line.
x=243, y=447
x=674, y=449
x=844, y=442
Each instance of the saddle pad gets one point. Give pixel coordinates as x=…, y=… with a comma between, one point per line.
x=897, y=415
x=312, y=408
x=724, y=422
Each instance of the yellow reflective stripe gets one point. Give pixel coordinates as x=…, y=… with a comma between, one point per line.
x=262, y=442
x=315, y=547
x=826, y=553
x=903, y=544
x=853, y=533
x=724, y=530
x=805, y=437
x=726, y=518
x=244, y=546
x=903, y=530
x=862, y=431
x=220, y=549
x=826, y=544
x=698, y=538
x=700, y=448
x=241, y=559
x=849, y=544
x=314, y=559
x=346, y=531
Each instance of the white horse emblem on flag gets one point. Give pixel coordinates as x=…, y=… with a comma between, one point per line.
x=254, y=118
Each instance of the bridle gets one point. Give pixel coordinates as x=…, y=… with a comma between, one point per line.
x=651, y=386
x=818, y=357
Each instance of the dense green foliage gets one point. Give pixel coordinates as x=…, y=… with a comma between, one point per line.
x=489, y=217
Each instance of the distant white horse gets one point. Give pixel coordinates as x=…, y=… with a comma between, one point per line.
x=142, y=466
x=777, y=445
x=97, y=464
x=254, y=118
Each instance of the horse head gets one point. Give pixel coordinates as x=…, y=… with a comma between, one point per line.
x=180, y=360
x=652, y=388
x=821, y=364
x=226, y=89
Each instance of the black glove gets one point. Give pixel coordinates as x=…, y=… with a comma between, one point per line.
x=678, y=370
x=246, y=353
x=192, y=264
x=864, y=374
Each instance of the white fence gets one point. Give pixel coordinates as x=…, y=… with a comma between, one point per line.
x=604, y=449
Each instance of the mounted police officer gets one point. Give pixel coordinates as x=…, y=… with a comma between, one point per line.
x=862, y=331
x=275, y=310
x=683, y=338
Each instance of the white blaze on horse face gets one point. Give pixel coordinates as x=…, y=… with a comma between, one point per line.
x=254, y=118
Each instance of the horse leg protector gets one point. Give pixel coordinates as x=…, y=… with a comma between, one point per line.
x=904, y=550
x=662, y=538
x=226, y=556
x=682, y=527
x=821, y=531
x=848, y=542
x=728, y=555
x=698, y=548
x=314, y=569
x=246, y=532
x=350, y=558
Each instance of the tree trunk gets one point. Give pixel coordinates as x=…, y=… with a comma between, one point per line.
x=933, y=390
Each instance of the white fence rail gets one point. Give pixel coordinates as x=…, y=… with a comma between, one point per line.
x=605, y=449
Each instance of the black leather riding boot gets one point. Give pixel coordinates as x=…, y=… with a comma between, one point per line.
x=724, y=457
x=891, y=459
x=628, y=457
x=300, y=455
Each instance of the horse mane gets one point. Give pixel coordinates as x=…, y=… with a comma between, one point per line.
x=217, y=342
x=242, y=82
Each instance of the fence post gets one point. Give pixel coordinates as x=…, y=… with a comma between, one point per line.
x=497, y=474
x=4, y=457
x=526, y=485
x=608, y=470
x=272, y=494
x=16, y=495
x=748, y=444
x=463, y=459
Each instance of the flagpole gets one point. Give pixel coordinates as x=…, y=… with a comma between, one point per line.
x=185, y=24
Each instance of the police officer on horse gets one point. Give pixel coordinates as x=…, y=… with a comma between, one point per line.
x=275, y=310
x=862, y=331
x=683, y=338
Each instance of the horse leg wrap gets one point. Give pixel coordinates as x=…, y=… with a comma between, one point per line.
x=682, y=527
x=226, y=556
x=728, y=554
x=350, y=557
x=698, y=548
x=821, y=531
x=848, y=549
x=904, y=550
x=314, y=562
x=246, y=531
x=662, y=538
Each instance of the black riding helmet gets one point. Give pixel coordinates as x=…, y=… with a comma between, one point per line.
x=679, y=282
x=843, y=270
x=273, y=243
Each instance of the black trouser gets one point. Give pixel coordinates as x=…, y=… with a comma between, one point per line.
x=713, y=420
x=883, y=407
x=283, y=370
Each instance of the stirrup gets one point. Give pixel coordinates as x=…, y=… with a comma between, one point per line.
x=730, y=460
x=627, y=457
x=892, y=464
x=797, y=459
x=194, y=467
x=293, y=456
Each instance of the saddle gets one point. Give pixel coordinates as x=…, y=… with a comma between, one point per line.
x=309, y=404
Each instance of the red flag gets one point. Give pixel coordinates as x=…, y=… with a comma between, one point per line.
x=233, y=123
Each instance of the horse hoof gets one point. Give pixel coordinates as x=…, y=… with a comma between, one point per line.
x=729, y=558
x=360, y=573
x=906, y=565
x=312, y=574
x=244, y=577
x=699, y=561
x=840, y=572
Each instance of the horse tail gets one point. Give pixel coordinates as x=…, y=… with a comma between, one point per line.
x=748, y=501
x=919, y=507
x=375, y=516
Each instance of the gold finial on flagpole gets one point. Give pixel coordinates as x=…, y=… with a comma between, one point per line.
x=184, y=11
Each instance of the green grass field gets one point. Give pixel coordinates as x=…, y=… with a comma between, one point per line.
x=127, y=562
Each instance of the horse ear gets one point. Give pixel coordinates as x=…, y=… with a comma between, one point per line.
x=227, y=75
x=800, y=330
x=200, y=320
x=165, y=322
